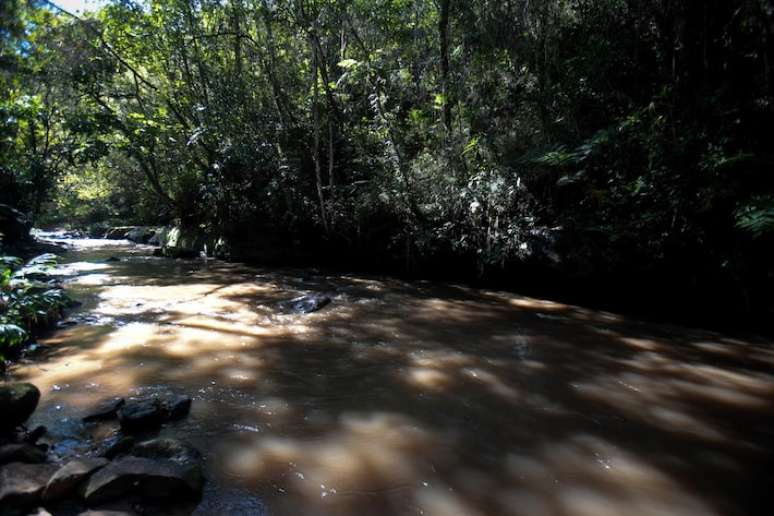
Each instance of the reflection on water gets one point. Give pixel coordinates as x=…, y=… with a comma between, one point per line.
x=406, y=398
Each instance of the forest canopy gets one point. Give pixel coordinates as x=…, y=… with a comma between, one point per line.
x=623, y=144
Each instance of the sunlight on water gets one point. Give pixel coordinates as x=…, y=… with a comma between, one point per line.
x=411, y=399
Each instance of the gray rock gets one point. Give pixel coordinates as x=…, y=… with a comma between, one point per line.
x=21, y=452
x=106, y=409
x=150, y=479
x=14, y=225
x=68, y=477
x=178, y=407
x=17, y=403
x=141, y=415
x=40, y=511
x=21, y=485
x=166, y=448
x=119, y=447
x=188, y=458
x=108, y=512
x=35, y=434
x=305, y=304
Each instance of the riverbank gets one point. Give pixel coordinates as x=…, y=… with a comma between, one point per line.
x=32, y=298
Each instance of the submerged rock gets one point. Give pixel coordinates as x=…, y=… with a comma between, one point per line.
x=140, y=415
x=21, y=485
x=21, y=452
x=17, y=403
x=177, y=407
x=106, y=409
x=306, y=304
x=68, y=477
x=119, y=447
x=166, y=448
x=152, y=479
x=35, y=434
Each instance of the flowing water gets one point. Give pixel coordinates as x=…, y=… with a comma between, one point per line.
x=410, y=398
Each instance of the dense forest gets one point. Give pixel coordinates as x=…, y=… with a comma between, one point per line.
x=614, y=149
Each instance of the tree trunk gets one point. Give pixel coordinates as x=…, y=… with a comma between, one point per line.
x=443, y=32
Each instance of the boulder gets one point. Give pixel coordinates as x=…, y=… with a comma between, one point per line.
x=111, y=511
x=34, y=435
x=177, y=407
x=21, y=485
x=119, y=447
x=21, y=452
x=305, y=304
x=14, y=226
x=17, y=403
x=167, y=448
x=106, y=409
x=117, y=233
x=148, y=478
x=180, y=242
x=141, y=415
x=69, y=476
x=139, y=235
x=188, y=458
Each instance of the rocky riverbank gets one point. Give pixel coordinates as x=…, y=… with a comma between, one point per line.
x=131, y=474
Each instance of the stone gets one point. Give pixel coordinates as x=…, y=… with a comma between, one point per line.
x=106, y=409
x=178, y=407
x=34, y=435
x=119, y=447
x=117, y=233
x=40, y=511
x=112, y=259
x=306, y=304
x=167, y=448
x=182, y=242
x=147, y=478
x=188, y=458
x=141, y=415
x=17, y=403
x=21, y=485
x=108, y=512
x=69, y=476
x=22, y=452
x=14, y=225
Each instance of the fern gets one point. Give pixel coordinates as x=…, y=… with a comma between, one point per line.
x=757, y=219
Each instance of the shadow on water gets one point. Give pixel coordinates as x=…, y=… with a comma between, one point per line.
x=405, y=398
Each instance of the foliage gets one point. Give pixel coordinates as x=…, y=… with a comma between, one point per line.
x=416, y=132
x=28, y=298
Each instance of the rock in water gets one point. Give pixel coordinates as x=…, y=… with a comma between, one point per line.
x=306, y=304
x=106, y=409
x=152, y=479
x=17, y=403
x=178, y=407
x=140, y=415
x=181, y=453
x=165, y=448
x=21, y=485
x=67, y=478
x=22, y=452
x=119, y=447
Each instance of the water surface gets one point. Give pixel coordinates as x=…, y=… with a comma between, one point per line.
x=410, y=398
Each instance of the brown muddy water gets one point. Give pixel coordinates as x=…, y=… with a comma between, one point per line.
x=411, y=398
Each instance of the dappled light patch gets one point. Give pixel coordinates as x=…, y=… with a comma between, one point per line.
x=425, y=398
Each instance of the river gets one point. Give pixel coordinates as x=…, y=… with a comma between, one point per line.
x=410, y=397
